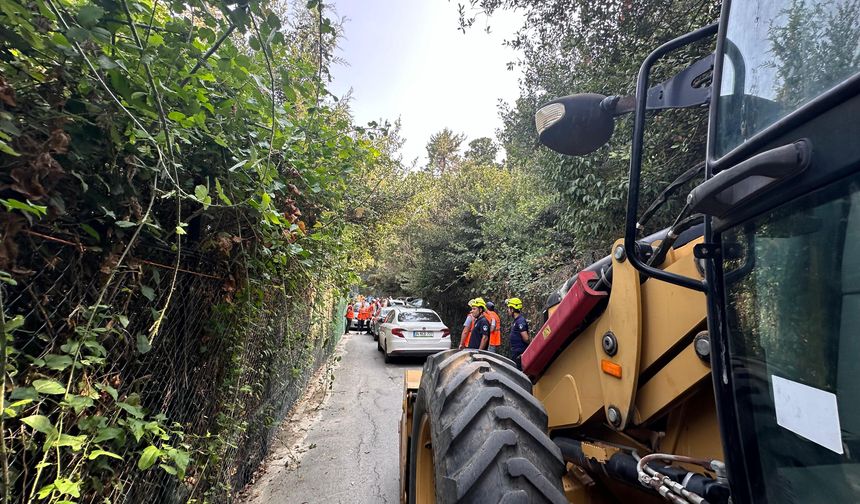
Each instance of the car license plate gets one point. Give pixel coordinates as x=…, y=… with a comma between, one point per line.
x=423, y=334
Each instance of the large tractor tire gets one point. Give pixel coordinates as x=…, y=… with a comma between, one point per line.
x=479, y=435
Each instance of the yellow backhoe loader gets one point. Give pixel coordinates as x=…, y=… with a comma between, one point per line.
x=714, y=361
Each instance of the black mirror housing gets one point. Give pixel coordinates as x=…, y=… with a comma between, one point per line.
x=574, y=125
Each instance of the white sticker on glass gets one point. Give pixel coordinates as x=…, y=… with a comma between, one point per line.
x=808, y=412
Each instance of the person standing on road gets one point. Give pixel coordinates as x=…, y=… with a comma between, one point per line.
x=350, y=314
x=495, y=327
x=467, y=328
x=364, y=316
x=480, y=336
x=519, y=330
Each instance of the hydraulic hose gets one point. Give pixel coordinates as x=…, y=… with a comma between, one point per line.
x=622, y=466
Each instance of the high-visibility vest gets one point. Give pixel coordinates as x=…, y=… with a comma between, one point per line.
x=350, y=314
x=469, y=333
x=364, y=312
x=495, y=334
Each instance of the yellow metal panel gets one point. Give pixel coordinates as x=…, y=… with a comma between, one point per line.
x=670, y=384
x=413, y=379
x=692, y=428
x=577, y=361
x=670, y=312
x=625, y=321
x=599, y=452
x=562, y=402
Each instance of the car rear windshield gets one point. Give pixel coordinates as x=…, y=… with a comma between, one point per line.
x=416, y=316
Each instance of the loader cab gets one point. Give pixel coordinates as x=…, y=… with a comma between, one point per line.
x=783, y=260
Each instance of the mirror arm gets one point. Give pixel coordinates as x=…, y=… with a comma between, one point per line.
x=642, y=93
x=688, y=88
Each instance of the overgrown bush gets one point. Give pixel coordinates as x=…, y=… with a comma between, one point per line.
x=179, y=213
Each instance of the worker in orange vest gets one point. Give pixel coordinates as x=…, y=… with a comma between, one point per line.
x=350, y=314
x=495, y=327
x=468, y=325
x=364, y=316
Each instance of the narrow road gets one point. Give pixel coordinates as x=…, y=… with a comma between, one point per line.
x=341, y=447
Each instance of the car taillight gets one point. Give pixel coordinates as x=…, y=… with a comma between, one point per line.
x=398, y=332
x=446, y=333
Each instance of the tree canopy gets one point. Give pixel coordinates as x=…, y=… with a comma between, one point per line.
x=443, y=151
x=524, y=227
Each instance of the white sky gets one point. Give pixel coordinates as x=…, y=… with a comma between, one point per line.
x=407, y=59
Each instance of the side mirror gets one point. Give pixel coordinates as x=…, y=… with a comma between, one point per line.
x=575, y=124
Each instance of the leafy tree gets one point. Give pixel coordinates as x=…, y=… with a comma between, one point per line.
x=482, y=151
x=524, y=228
x=443, y=151
x=577, y=46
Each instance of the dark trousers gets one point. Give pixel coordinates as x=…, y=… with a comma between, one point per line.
x=518, y=360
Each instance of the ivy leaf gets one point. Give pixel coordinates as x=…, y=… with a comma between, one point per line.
x=106, y=434
x=57, y=362
x=143, y=345
x=220, y=192
x=107, y=63
x=4, y=147
x=176, y=116
x=147, y=292
x=13, y=204
x=98, y=453
x=155, y=39
x=22, y=393
x=136, y=411
x=13, y=324
x=45, y=491
x=68, y=487
x=74, y=442
x=89, y=15
x=6, y=278
x=40, y=423
x=78, y=402
x=78, y=34
x=148, y=457
x=51, y=387
x=90, y=231
x=201, y=192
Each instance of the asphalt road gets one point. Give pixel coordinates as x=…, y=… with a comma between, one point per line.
x=343, y=447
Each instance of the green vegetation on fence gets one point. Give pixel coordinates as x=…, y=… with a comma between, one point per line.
x=183, y=197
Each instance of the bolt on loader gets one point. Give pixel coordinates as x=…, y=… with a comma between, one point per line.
x=714, y=361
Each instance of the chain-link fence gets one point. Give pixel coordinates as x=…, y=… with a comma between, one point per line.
x=205, y=381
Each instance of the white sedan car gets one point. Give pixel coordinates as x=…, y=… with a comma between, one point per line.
x=410, y=331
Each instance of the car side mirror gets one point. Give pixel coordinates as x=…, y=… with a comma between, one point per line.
x=574, y=125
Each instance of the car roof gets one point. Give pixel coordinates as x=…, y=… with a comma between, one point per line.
x=414, y=309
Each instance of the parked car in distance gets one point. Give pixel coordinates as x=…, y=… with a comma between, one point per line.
x=411, y=331
x=377, y=321
x=416, y=303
